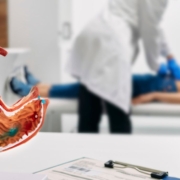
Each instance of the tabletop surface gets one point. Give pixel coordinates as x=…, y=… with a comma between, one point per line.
x=50, y=149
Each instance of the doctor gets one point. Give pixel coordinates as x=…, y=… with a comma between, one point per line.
x=103, y=54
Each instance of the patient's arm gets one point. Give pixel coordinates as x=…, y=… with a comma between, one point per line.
x=146, y=98
x=173, y=98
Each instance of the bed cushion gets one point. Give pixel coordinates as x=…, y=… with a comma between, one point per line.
x=63, y=106
x=157, y=109
x=153, y=109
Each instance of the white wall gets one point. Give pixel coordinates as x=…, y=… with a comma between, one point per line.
x=171, y=26
x=34, y=24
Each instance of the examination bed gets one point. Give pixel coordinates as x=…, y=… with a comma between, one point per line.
x=59, y=107
x=155, y=109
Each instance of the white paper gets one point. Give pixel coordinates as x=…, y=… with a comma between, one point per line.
x=89, y=169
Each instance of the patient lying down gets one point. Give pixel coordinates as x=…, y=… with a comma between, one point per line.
x=146, y=88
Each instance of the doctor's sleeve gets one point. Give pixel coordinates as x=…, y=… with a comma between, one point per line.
x=165, y=49
x=149, y=26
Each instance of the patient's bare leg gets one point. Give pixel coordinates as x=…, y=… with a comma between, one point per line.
x=43, y=89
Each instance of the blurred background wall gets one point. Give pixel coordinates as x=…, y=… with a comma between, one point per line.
x=48, y=28
x=34, y=24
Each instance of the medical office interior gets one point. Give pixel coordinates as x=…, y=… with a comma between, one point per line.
x=40, y=35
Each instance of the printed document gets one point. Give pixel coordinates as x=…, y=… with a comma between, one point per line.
x=90, y=169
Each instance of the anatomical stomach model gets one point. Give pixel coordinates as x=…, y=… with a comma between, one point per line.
x=22, y=121
x=3, y=52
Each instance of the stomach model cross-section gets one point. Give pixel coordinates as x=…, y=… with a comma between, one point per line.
x=22, y=121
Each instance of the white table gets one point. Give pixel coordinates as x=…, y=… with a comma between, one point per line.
x=47, y=150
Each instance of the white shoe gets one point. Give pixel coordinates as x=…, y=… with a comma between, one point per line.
x=8, y=95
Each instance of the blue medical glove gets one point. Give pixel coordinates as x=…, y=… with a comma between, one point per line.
x=174, y=68
x=163, y=70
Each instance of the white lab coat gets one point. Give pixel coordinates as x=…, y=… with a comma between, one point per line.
x=103, y=53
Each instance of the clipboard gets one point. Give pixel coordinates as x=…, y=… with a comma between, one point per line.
x=91, y=169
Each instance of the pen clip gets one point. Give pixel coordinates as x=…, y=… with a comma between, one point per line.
x=109, y=164
x=153, y=173
x=161, y=175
